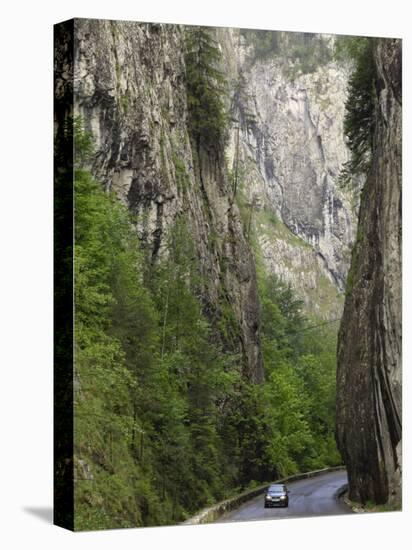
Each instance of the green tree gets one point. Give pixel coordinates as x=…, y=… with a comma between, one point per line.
x=266, y=43
x=359, y=122
x=291, y=441
x=164, y=422
x=115, y=352
x=206, y=90
x=299, y=392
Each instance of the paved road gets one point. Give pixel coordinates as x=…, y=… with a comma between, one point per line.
x=308, y=497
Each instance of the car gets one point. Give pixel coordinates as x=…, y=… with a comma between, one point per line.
x=277, y=495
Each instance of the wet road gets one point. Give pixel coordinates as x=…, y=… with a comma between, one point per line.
x=308, y=497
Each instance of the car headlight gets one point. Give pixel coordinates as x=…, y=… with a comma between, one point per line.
x=282, y=497
x=268, y=497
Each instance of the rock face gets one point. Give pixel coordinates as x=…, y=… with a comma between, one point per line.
x=129, y=89
x=292, y=154
x=369, y=349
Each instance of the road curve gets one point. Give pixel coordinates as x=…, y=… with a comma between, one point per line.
x=315, y=496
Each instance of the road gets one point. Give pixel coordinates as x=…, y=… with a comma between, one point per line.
x=308, y=497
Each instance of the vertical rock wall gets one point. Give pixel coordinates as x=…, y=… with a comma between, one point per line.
x=299, y=146
x=129, y=89
x=291, y=156
x=369, y=350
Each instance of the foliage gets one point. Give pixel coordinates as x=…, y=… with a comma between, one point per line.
x=182, y=177
x=265, y=43
x=150, y=381
x=359, y=122
x=164, y=422
x=299, y=391
x=305, y=52
x=308, y=51
x=206, y=89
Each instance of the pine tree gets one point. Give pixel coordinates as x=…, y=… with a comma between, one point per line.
x=359, y=124
x=206, y=89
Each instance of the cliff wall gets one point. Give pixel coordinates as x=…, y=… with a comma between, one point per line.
x=129, y=89
x=369, y=350
x=291, y=150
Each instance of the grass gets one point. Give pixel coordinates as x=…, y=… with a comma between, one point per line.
x=265, y=223
x=370, y=507
x=325, y=293
x=182, y=178
x=273, y=227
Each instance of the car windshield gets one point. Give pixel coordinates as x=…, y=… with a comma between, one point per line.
x=277, y=488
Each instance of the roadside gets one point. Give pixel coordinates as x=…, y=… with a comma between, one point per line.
x=368, y=507
x=254, y=510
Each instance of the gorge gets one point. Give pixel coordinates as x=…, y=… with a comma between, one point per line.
x=213, y=239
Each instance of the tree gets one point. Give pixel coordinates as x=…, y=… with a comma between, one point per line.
x=299, y=392
x=163, y=420
x=206, y=90
x=359, y=121
x=265, y=43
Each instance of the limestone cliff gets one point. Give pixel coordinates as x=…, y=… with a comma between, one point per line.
x=291, y=149
x=286, y=139
x=129, y=89
x=369, y=349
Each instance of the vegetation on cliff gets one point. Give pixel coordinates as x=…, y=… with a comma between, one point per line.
x=206, y=89
x=359, y=122
x=174, y=301
x=164, y=423
x=304, y=51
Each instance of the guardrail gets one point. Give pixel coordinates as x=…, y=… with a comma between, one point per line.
x=211, y=514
